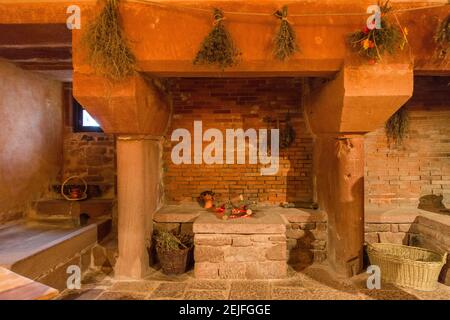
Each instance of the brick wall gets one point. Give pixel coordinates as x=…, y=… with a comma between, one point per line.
x=421, y=166
x=89, y=154
x=240, y=103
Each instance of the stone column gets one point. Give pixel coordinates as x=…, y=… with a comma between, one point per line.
x=138, y=175
x=339, y=171
x=359, y=99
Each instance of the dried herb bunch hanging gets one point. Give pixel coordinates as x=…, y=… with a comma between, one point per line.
x=108, y=52
x=218, y=46
x=396, y=127
x=374, y=43
x=442, y=38
x=285, y=39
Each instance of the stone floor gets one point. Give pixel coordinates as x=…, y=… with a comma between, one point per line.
x=316, y=282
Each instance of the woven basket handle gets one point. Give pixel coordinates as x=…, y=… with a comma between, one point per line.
x=444, y=258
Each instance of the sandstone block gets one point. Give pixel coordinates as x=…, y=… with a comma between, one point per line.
x=319, y=235
x=277, y=252
x=241, y=241
x=206, y=270
x=99, y=256
x=260, y=237
x=307, y=226
x=232, y=270
x=208, y=254
x=319, y=255
x=212, y=240
x=321, y=226
x=277, y=238
x=295, y=233
x=396, y=238
x=319, y=244
x=244, y=254
x=377, y=227
x=266, y=270
x=404, y=227
x=371, y=237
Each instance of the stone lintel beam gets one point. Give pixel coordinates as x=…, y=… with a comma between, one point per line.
x=132, y=106
x=165, y=40
x=138, y=192
x=179, y=32
x=360, y=98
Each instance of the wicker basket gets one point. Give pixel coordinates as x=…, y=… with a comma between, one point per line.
x=173, y=262
x=407, y=266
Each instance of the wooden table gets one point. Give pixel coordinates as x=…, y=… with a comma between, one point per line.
x=16, y=287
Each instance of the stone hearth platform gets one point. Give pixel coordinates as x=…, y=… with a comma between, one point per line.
x=245, y=248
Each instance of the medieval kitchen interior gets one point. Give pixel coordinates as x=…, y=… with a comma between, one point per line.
x=104, y=174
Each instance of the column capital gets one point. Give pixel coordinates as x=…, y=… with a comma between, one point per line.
x=359, y=99
x=133, y=106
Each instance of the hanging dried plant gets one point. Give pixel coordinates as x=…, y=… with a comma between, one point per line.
x=285, y=40
x=442, y=38
x=108, y=52
x=396, y=127
x=374, y=43
x=218, y=47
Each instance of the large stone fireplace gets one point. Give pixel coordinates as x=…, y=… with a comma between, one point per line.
x=323, y=165
x=331, y=97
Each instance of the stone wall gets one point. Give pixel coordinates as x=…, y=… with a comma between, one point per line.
x=30, y=138
x=306, y=242
x=92, y=155
x=240, y=103
x=239, y=256
x=397, y=177
x=398, y=233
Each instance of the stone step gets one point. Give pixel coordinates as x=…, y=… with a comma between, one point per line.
x=93, y=207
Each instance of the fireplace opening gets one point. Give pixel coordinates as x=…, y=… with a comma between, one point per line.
x=247, y=104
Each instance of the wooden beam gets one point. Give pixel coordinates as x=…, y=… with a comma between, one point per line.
x=35, y=34
x=27, y=53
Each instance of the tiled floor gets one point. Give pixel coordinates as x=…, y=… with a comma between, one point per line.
x=315, y=282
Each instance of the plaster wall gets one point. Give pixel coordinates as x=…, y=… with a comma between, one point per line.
x=30, y=138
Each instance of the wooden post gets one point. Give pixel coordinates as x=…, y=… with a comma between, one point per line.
x=339, y=171
x=138, y=173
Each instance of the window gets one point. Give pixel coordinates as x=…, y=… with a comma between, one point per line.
x=82, y=120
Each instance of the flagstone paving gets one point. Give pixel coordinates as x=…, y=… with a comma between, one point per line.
x=316, y=282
